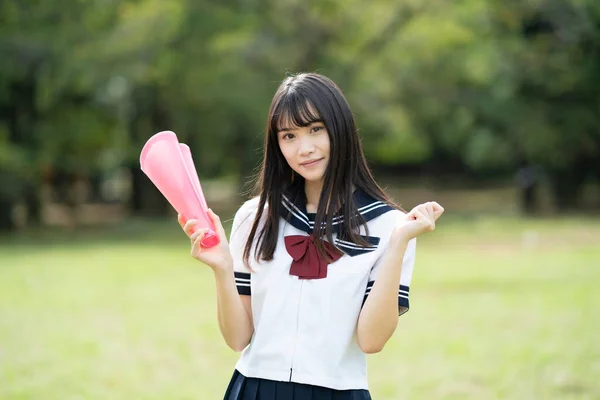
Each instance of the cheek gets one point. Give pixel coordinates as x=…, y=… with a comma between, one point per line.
x=325, y=145
x=287, y=152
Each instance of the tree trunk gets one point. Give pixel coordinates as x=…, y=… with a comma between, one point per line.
x=34, y=205
x=150, y=117
x=6, y=221
x=20, y=114
x=145, y=198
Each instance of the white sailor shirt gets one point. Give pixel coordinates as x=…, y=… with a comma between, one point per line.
x=305, y=329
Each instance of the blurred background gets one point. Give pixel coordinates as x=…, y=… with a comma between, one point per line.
x=491, y=108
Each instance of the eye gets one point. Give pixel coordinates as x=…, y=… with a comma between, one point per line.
x=287, y=136
x=315, y=129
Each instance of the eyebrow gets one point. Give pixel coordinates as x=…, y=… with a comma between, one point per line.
x=317, y=121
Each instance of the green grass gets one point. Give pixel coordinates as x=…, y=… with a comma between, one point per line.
x=501, y=309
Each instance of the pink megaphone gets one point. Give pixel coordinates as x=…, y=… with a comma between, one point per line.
x=186, y=154
x=170, y=166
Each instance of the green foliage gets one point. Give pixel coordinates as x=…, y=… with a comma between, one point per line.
x=486, y=83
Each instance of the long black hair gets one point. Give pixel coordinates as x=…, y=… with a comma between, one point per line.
x=300, y=100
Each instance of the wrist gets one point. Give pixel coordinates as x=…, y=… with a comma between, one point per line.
x=400, y=238
x=223, y=269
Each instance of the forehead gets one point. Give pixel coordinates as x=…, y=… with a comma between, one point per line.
x=294, y=115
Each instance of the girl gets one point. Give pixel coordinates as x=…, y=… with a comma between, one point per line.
x=318, y=266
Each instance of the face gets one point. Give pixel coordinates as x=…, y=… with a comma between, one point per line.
x=306, y=150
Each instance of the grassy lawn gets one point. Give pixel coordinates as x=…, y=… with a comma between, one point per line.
x=501, y=309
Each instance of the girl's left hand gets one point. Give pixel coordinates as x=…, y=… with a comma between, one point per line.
x=419, y=220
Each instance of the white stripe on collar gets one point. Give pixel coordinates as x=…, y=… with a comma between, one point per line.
x=298, y=214
x=287, y=203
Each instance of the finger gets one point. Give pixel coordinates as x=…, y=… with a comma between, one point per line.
x=423, y=217
x=411, y=216
x=421, y=214
x=199, y=232
x=414, y=212
x=429, y=208
x=422, y=208
x=217, y=222
x=436, y=206
x=181, y=219
x=437, y=209
x=197, y=245
x=190, y=227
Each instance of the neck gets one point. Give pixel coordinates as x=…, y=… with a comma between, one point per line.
x=313, y=193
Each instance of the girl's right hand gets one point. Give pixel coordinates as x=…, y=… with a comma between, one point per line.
x=217, y=257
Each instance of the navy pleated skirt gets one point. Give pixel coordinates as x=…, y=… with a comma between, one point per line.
x=242, y=388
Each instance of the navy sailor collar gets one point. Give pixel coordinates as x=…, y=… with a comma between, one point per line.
x=293, y=210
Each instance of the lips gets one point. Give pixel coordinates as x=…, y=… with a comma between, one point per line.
x=310, y=163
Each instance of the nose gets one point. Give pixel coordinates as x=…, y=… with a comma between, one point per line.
x=306, y=145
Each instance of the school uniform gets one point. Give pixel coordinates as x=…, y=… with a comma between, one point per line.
x=305, y=312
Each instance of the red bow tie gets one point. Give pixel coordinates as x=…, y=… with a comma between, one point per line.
x=307, y=264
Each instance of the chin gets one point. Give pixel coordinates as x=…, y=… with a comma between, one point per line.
x=314, y=178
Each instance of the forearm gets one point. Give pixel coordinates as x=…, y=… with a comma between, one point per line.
x=234, y=322
x=379, y=316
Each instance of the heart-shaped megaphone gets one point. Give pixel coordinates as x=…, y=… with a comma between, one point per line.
x=170, y=167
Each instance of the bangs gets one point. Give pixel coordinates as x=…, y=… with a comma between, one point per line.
x=294, y=111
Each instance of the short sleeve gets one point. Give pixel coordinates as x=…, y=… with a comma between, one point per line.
x=242, y=223
x=408, y=264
